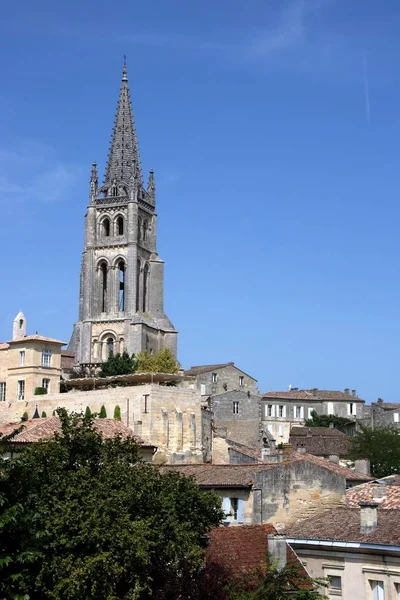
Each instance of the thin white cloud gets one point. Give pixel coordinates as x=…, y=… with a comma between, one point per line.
x=41, y=180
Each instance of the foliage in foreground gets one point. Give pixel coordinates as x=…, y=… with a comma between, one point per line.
x=381, y=446
x=80, y=518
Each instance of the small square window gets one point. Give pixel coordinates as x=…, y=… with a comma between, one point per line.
x=236, y=407
x=335, y=582
x=241, y=380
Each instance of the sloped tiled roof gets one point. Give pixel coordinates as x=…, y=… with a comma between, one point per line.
x=44, y=429
x=365, y=493
x=4, y=345
x=321, y=441
x=211, y=475
x=38, y=338
x=198, y=370
x=313, y=394
x=343, y=524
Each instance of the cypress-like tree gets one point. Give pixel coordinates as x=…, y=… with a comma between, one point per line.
x=117, y=413
x=44, y=416
x=103, y=412
x=88, y=412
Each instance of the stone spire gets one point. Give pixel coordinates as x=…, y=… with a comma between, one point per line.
x=151, y=188
x=123, y=159
x=93, y=182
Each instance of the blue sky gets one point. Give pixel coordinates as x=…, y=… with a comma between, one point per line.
x=273, y=128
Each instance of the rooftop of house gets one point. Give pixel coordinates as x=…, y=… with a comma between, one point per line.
x=36, y=338
x=343, y=524
x=321, y=441
x=200, y=369
x=37, y=430
x=211, y=475
x=385, y=491
x=380, y=404
x=314, y=394
x=243, y=548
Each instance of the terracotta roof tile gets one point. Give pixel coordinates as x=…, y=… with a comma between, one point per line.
x=211, y=475
x=36, y=337
x=365, y=493
x=320, y=440
x=241, y=549
x=312, y=394
x=199, y=369
x=343, y=524
x=44, y=429
x=4, y=345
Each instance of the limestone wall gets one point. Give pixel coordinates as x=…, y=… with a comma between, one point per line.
x=168, y=417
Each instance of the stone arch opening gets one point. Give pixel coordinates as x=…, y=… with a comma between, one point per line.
x=145, y=286
x=105, y=227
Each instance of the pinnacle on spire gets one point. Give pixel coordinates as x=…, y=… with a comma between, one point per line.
x=123, y=162
x=93, y=181
x=151, y=187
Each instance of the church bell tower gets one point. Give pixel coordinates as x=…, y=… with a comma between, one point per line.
x=121, y=303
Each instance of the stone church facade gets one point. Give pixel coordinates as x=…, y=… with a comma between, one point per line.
x=121, y=303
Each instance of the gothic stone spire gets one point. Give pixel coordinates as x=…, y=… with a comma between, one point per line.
x=123, y=159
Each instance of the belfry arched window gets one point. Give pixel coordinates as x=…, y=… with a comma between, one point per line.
x=105, y=227
x=139, y=233
x=121, y=298
x=145, y=227
x=137, y=285
x=120, y=225
x=110, y=346
x=114, y=190
x=145, y=286
x=103, y=286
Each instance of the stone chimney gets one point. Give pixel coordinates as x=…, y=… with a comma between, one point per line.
x=347, y=391
x=379, y=491
x=362, y=466
x=368, y=517
x=277, y=550
x=334, y=458
x=354, y=393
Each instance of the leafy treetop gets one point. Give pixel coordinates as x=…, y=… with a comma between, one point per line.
x=161, y=362
x=80, y=518
x=118, y=364
x=325, y=420
x=381, y=446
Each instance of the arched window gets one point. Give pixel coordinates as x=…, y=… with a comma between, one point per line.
x=139, y=232
x=121, y=299
x=114, y=190
x=120, y=225
x=110, y=346
x=145, y=230
x=137, y=285
x=103, y=286
x=145, y=285
x=106, y=227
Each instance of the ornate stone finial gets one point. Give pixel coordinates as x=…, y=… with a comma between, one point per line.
x=151, y=187
x=124, y=72
x=93, y=181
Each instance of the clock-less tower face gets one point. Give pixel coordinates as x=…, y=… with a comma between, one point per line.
x=122, y=276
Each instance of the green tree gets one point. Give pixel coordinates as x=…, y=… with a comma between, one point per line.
x=88, y=412
x=117, y=413
x=325, y=421
x=118, y=364
x=44, y=416
x=103, y=412
x=79, y=520
x=25, y=416
x=161, y=362
x=381, y=446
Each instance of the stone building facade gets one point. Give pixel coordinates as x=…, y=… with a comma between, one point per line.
x=169, y=417
x=217, y=379
x=281, y=410
x=27, y=362
x=236, y=415
x=122, y=276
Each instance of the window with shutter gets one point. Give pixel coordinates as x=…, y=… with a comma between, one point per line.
x=226, y=507
x=203, y=389
x=240, y=511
